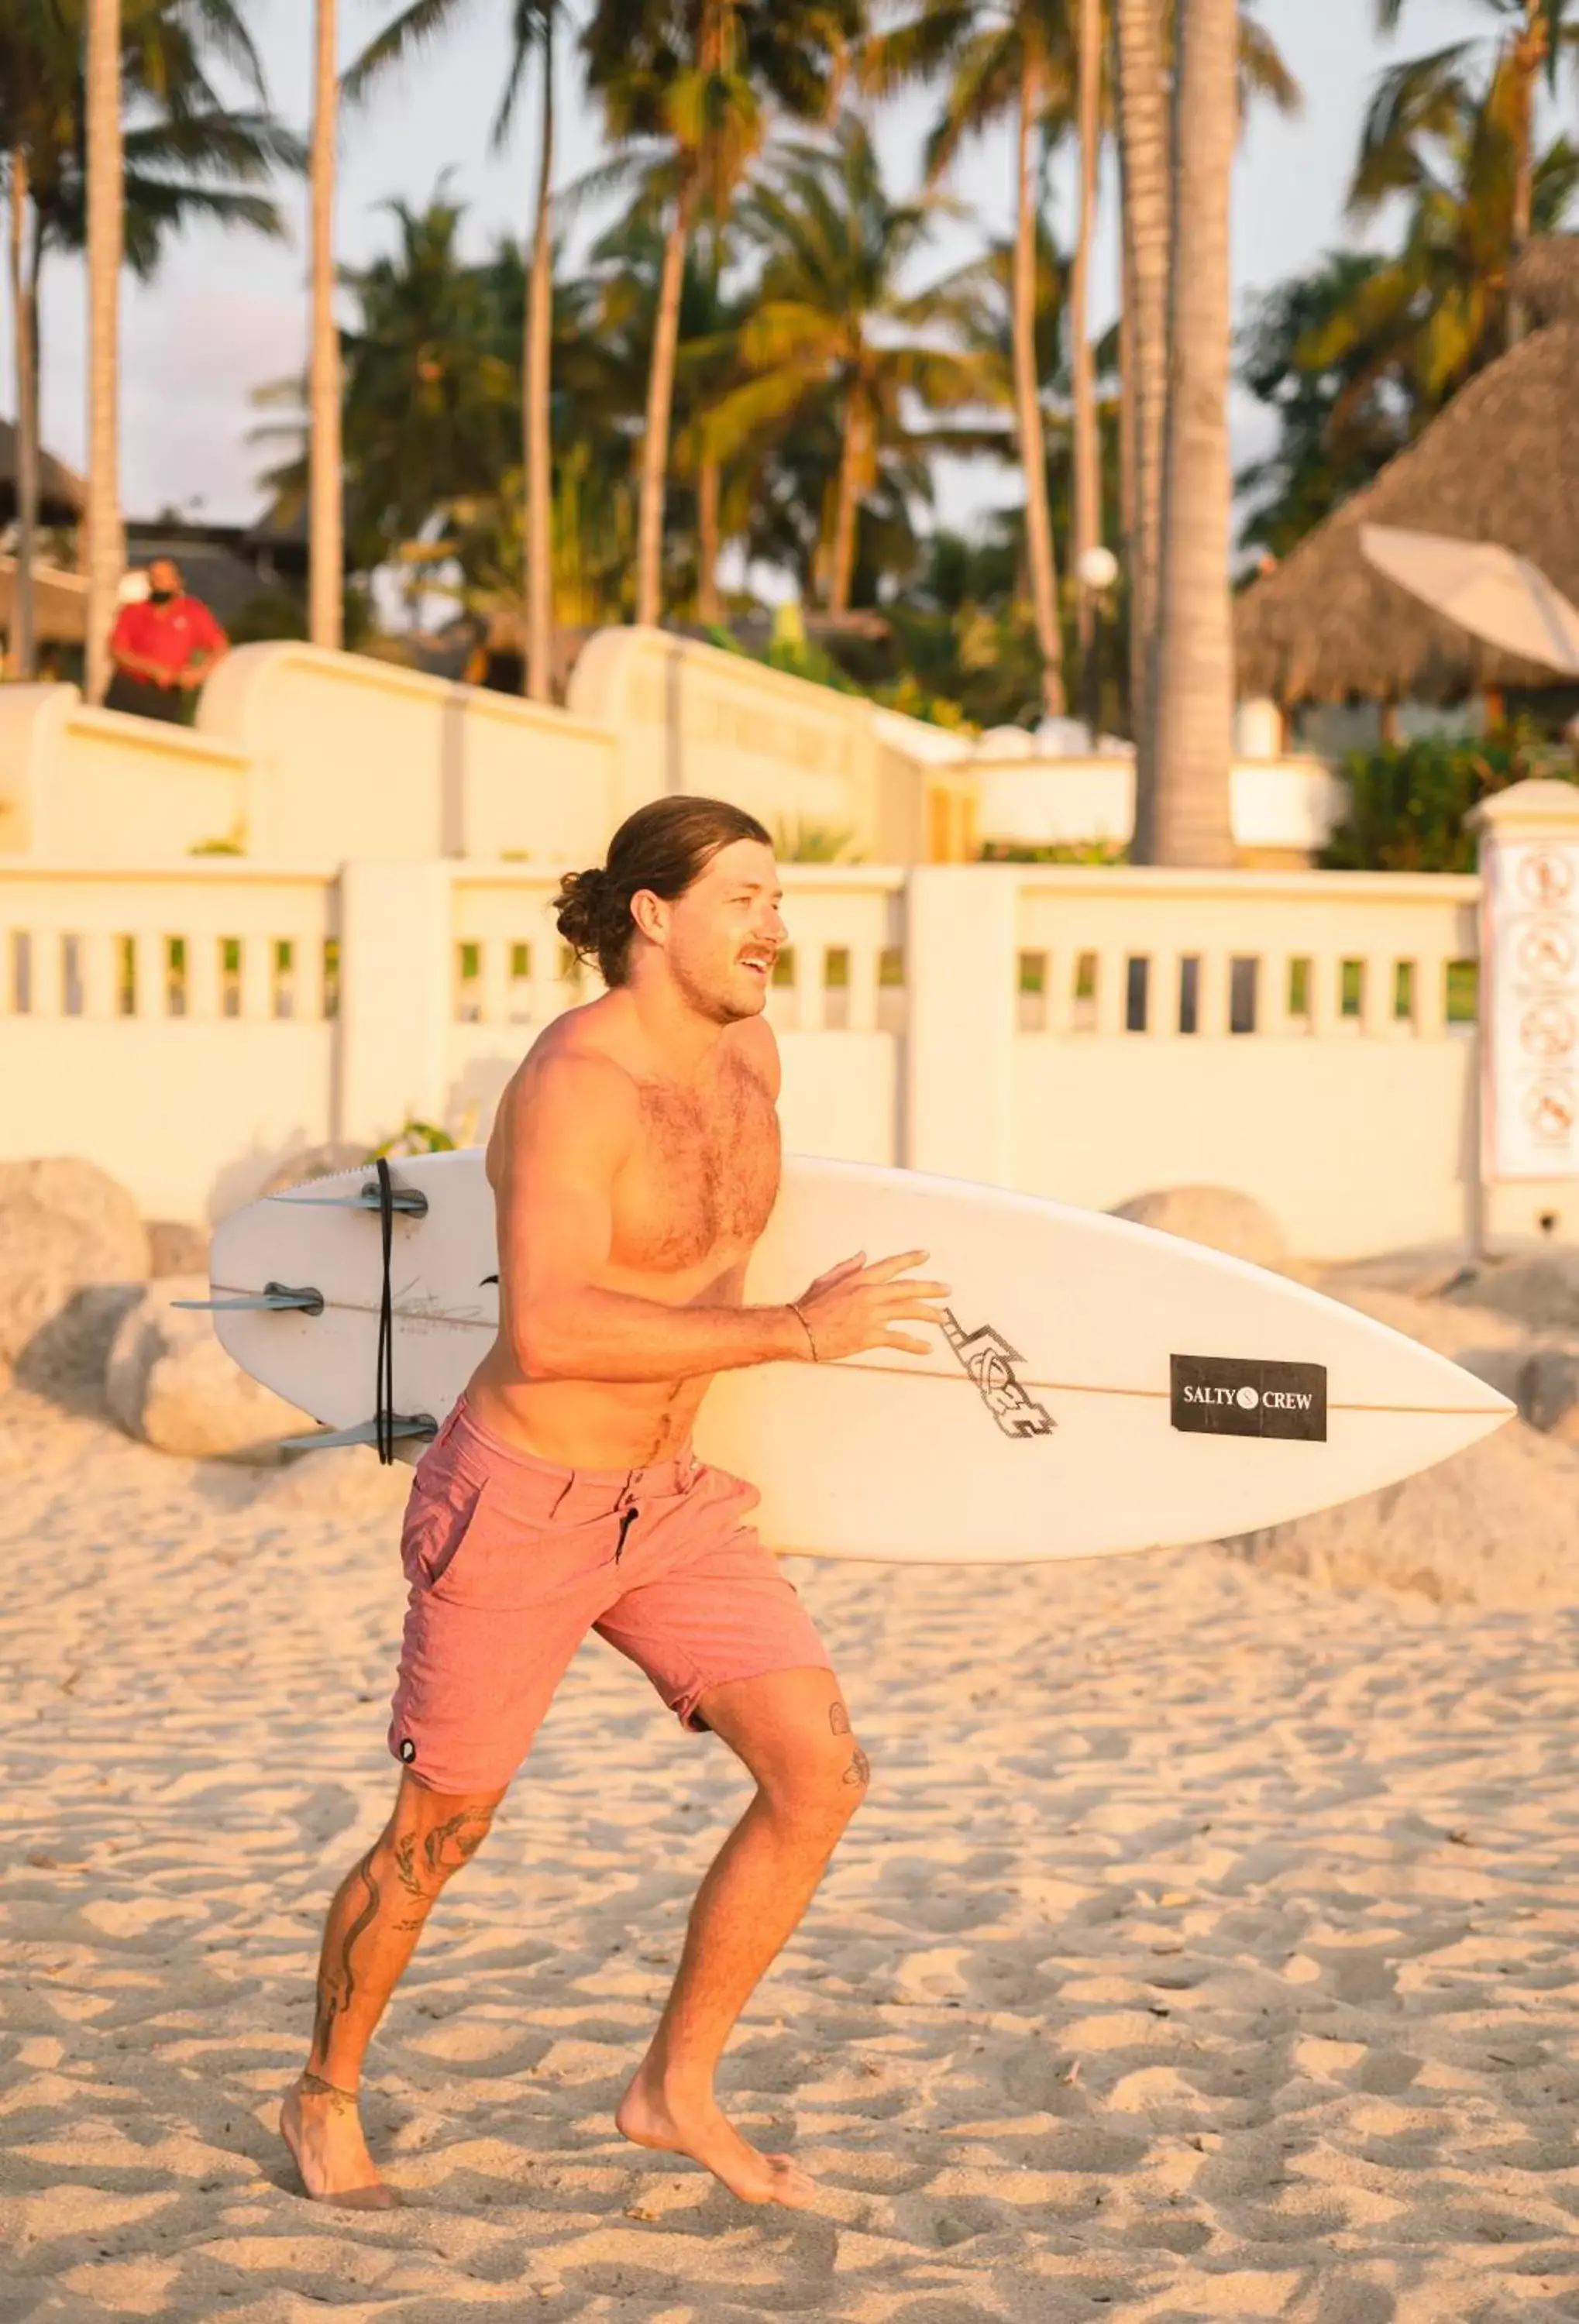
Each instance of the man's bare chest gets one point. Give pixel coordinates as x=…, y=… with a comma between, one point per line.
x=703, y=1177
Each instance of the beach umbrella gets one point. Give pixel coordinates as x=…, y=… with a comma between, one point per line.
x=1489, y=591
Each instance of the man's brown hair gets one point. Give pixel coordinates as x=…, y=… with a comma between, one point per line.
x=664, y=847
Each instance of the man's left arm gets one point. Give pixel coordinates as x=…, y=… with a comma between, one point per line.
x=211, y=646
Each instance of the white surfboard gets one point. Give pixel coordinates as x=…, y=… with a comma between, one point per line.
x=1099, y=1387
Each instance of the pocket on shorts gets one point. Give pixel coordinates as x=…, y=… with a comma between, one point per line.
x=439, y=1521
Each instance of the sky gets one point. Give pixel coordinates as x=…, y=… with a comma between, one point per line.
x=227, y=312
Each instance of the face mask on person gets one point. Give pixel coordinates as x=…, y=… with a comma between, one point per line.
x=160, y=596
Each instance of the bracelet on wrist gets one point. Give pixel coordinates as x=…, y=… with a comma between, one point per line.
x=797, y=1311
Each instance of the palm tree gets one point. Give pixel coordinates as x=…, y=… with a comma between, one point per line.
x=325, y=519
x=1143, y=147
x=1428, y=92
x=1437, y=311
x=1087, y=527
x=185, y=155
x=831, y=324
x=1003, y=56
x=24, y=329
x=105, y=541
x=1153, y=252
x=531, y=29
x=1341, y=415
x=1187, y=812
x=697, y=81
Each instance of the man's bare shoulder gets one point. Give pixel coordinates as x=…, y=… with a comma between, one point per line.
x=567, y=1082
x=754, y=1042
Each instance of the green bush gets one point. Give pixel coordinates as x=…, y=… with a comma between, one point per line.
x=1408, y=801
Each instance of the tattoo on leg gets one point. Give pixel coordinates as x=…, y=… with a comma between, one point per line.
x=858, y=1773
x=336, y=1989
x=465, y=1831
x=406, y=1868
x=838, y=1719
x=313, y=2086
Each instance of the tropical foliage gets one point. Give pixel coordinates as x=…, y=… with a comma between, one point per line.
x=751, y=375
x=1409, y=801
x=189, y=154
x=1358, y=356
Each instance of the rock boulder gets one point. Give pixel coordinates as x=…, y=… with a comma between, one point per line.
x=1218, y=1216
x=177, y=1247
x=113, y=1241
x=314, y=1162
x=1549, y=1392
x=171, y=1383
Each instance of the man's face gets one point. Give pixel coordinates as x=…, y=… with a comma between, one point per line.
x=164, y=578
x=721, y=938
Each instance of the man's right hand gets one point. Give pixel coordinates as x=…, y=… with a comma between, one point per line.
x=854, y=1306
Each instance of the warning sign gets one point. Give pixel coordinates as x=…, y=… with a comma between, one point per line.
x=1530, y=1006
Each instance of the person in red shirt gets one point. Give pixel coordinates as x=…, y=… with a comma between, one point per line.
x=163, y=647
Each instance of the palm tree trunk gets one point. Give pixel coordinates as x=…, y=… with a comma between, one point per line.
x=105, y=544
x=847, y=508
x=659, y=404
x=1530, y=53
x=1195, y=659
x=1033, y=453
x=1126, y=416
x=537, y=414
x=1143, y=155
x=709, y=488
x=24, y=644
x=326, y=520
x=1087, y=460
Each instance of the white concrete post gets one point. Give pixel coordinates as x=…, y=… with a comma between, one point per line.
x=960, y=1047
x=1528, y=841
x=396, y=998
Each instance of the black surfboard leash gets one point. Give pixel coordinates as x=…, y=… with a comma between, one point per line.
x=383, y=1412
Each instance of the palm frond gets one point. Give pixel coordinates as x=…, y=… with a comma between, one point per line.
x=404, y=37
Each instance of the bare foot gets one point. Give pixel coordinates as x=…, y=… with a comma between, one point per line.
x=323, y=2130
x=651, y=2117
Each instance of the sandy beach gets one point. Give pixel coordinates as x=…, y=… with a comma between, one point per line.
x=1204, y=1949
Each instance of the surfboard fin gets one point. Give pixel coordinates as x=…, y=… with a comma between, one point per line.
x=366, y=1431
x=410, y=1199
x=307, y=1301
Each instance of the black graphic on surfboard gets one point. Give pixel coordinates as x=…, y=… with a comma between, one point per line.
x=990, y=1361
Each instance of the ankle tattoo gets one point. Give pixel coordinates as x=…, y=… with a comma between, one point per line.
x=313, y=2086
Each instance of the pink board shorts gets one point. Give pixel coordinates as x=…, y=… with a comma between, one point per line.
x=512, y=1560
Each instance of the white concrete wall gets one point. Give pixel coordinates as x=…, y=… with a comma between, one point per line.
x=93, y=787
x=1280, y=807
x=301, y=756
x=1005, y=1054
x=357, y=757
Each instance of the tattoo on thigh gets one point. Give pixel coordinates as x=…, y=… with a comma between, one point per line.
x=838, y=1719
x=858, y=1773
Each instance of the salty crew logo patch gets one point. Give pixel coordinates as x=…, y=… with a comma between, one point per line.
x=1227, y=1395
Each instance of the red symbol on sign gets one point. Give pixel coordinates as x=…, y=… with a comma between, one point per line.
x=1547, y=1030
x=1549, y=1111
x=1545, y=877
x=1547, y=951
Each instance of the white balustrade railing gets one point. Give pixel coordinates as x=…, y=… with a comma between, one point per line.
x=1073, y=1031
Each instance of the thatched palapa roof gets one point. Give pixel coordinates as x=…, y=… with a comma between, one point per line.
x=62, y=494
x=1499, y=464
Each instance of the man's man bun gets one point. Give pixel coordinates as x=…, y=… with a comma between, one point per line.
x=590, y=916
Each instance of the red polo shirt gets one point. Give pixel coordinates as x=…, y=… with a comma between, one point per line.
x=169, y=634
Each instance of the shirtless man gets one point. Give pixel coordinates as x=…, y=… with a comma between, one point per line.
x=634, y=1162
